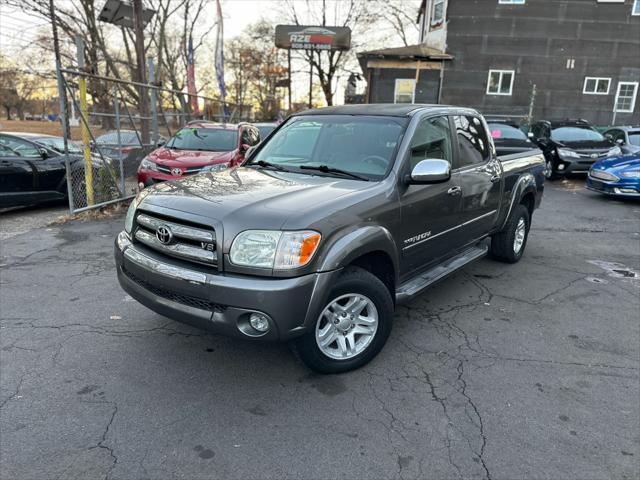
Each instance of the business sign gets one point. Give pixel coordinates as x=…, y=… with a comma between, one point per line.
x=300, y=37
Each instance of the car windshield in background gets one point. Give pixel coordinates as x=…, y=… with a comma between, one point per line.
x=634, y=138
x=265, y=130
x=506, y=132
x=126, y=138
x=57, y=144
x=574, y=134
x=358, y=145
x=206, y=139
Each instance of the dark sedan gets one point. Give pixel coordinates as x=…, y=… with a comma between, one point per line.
x=33, y=168
x=509, y=139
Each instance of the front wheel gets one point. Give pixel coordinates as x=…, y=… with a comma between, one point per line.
x=550, y=172
x=352, y=327
x=508, y=245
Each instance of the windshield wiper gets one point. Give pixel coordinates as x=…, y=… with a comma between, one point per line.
x=328, y=169
x=263, y=164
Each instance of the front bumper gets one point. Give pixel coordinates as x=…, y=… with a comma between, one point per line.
x=622, y=188
x=218, y=302
x=577, y=165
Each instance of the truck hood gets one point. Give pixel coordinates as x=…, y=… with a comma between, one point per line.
x=188, y=158
x=256, y=198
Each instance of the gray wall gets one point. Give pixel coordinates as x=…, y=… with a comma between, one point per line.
x=536, y=40
x=383, y=84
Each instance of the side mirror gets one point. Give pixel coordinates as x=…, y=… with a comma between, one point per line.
x=43, y=153
x=244, y=147
x=620, y=142
x=430, y=170
x=161, y=143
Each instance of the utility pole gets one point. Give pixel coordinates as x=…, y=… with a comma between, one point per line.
x=289, y=79
x=62, y=92
x=138, y=30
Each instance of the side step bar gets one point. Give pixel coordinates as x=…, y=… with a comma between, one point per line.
x=420, y=283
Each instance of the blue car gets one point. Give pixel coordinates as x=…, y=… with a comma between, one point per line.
x=618, y=176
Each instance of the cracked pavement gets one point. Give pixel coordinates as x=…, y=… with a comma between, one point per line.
x=499, y=372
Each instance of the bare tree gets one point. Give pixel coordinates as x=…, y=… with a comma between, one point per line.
x=355, y=14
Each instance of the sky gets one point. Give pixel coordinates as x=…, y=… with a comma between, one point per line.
x=18, y=29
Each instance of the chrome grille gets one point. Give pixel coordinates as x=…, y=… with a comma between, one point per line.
x=186, y=171
x=602, y=175
x=186, y=242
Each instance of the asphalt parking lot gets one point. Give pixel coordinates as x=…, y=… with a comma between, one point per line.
x=501, y=371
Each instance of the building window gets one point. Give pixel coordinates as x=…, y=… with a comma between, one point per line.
x=626, y=97
x=500, y=82
x=437, y=15
x=596, y=86
x=511, y=2
x=635, y=10
x=405, y=90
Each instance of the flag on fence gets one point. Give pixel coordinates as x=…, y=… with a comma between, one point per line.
x=219, y=61
x=191, y=80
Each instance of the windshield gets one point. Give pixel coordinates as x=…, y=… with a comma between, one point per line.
x=574, y=134
x=57, y=144
x=634, y=138
x=127, y=137
x=207, y=139
x=360, y=145
x=502, y=131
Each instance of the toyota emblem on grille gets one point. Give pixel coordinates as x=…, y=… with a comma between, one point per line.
x=176, y=171
x=164, y=234
x=594, y=155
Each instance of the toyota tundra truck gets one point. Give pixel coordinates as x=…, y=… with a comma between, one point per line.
x=342, y=214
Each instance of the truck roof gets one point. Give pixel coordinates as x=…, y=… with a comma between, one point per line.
x=379, y=109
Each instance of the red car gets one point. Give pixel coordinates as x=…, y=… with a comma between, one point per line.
x=198, y=147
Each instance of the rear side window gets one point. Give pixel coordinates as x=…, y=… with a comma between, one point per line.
x=18, y=147
x=473, y=147
x=432, y=140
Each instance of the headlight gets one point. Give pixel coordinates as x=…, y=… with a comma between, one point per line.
x=131, y=213
x=274, y=249
x=216, y=167
x=128, y=220
x=631, y=174
x=563, y=152
x=147, y=164
x=614, y=151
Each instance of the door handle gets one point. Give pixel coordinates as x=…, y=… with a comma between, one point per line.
x=454, y=190
x=495, y=178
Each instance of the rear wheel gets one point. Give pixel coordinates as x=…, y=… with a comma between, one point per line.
x=352, y=327
x=509, y=244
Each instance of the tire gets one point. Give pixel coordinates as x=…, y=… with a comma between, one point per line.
x=550, y=173
x=503, y=244
x=341, y=354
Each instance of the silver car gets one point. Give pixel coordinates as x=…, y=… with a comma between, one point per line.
x=627, y=138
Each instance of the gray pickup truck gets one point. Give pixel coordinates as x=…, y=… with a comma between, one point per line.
x=340, y=215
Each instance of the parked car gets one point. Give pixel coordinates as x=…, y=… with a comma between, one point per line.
x=198, y=147
x=571, y=146
x=340, y=215
x=128, y=145
x=266, y=128
x=627, y=138
x=508, y=138
x=619, y=176
x=33, y=168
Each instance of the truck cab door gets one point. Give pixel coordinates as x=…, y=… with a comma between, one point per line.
x=479, y=173
x=430, y=213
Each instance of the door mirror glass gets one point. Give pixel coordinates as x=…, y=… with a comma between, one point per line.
x=431, y=170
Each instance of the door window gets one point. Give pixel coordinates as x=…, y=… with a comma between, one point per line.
x=473, y=147
x=431, y=140
x=20, y=147
x=616, y=135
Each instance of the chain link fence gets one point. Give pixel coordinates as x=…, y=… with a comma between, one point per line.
x=117, y=135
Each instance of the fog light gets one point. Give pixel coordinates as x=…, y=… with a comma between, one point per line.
x=141, y=186
x=561, y=167
x=259, y=321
